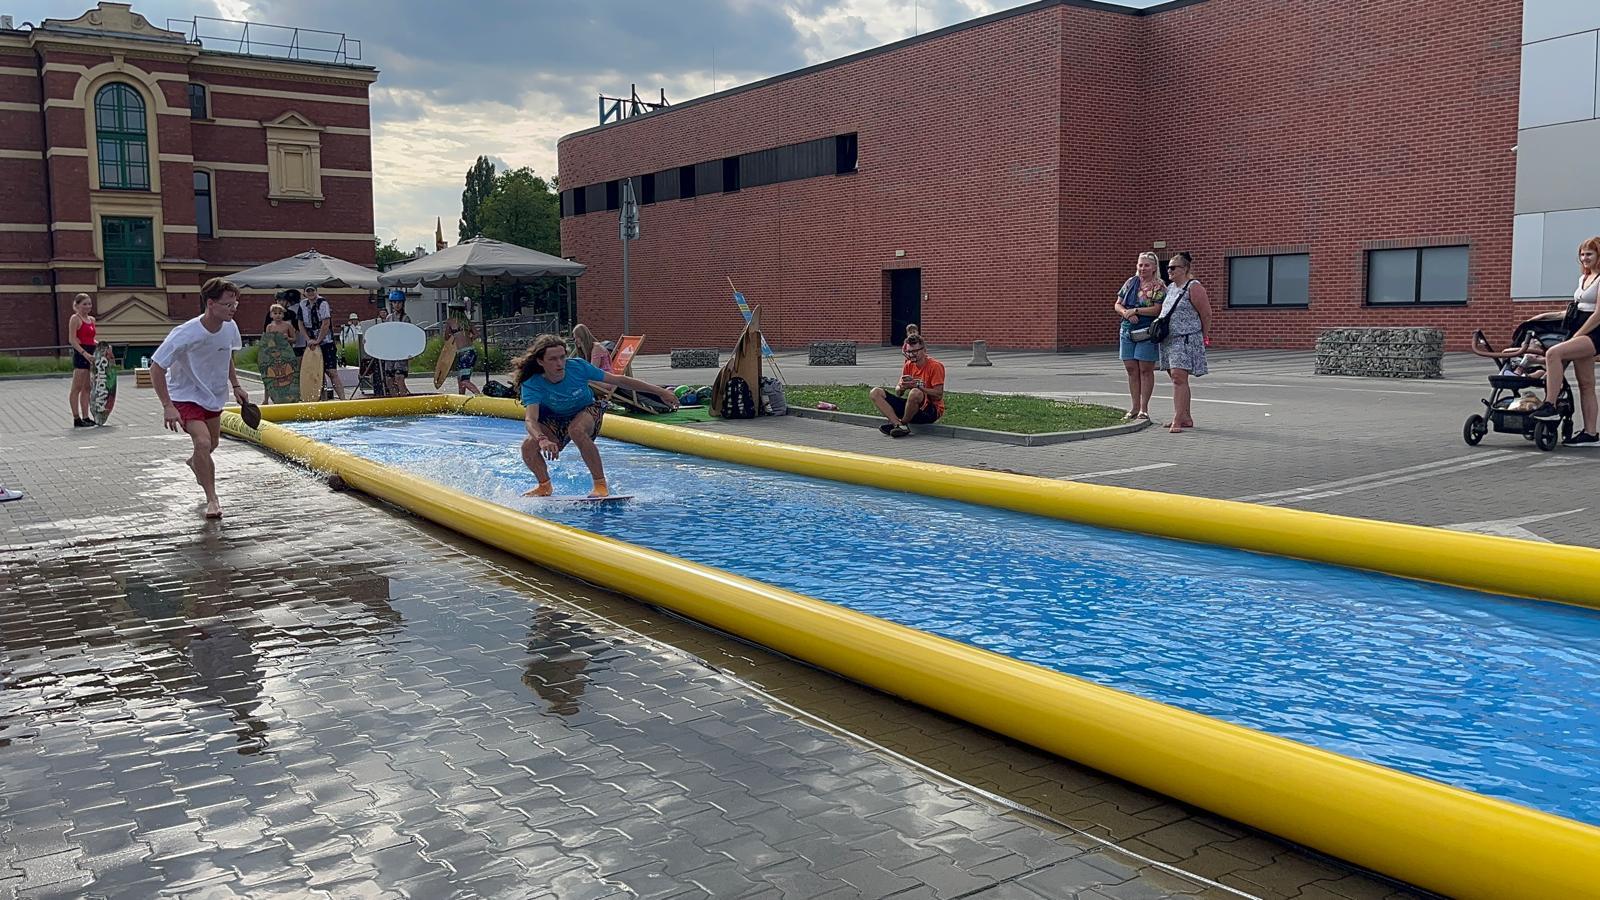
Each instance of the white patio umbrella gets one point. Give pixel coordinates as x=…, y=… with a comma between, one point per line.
x=478, y=262
x=306, y=268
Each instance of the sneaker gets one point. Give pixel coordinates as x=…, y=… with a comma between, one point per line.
x=81, y=423
x=1582, y=437
x=899, y=431
x=1546, y=411
x=7, y=495
x=886, y=428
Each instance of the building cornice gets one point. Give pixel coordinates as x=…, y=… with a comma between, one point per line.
x=285, y=69
x=129, y=47
x=938, y=34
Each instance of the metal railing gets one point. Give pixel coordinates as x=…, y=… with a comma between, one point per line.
x=273, y=41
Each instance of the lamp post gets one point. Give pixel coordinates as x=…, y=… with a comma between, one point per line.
x=628, y=221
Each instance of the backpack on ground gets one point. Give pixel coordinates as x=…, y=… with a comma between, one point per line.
x=773, y=402
x=492, y=388
x=737, y=401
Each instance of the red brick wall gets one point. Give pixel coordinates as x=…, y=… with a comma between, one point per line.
x=1332, y=129
x=955, y=134
x=1023, y=164
x=31, y=318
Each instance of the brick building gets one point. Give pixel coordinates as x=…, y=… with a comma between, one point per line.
x=1327, y=164
x=136, y=163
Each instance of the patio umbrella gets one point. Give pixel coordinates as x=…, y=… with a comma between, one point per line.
x=306, y=268
x=479, y=262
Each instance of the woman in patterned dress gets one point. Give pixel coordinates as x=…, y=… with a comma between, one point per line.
x=1183, y=353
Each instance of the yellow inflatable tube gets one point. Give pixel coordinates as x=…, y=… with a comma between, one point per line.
x=1430, y=834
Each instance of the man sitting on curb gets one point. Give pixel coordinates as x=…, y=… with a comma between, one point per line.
x=921, y=383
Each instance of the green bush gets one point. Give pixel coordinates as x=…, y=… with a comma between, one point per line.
x=34, y=365
x=424, y=362
x=248, y=359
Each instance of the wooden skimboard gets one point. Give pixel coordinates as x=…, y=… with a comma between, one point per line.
x=280, y=370
x=447, y=362
x=103, y=388
x=311, y=374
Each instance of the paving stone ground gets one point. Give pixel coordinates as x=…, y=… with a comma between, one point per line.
x=322, y=696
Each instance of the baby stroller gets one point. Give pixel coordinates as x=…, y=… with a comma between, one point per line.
x=1506, y=411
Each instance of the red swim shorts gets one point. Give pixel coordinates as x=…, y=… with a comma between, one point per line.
x=194, y=412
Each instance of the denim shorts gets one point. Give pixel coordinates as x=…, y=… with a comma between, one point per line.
x=1143, y=351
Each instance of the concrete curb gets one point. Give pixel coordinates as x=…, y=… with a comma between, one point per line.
x=35, y=376
x=977, y=434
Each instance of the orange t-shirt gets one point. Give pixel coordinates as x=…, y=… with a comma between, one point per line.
x=931, y=372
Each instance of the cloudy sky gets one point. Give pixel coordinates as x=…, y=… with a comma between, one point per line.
x=507, y=78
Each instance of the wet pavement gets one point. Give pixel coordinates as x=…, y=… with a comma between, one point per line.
x=322, y=696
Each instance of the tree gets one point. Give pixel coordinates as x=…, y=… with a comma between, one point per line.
x=388, y=253
x=480, y=184
x=522, y=210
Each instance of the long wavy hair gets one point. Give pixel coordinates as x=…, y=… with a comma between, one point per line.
x=583, y=341
x=531, y=364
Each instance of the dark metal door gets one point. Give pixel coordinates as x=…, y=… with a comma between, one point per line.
x=905, y=302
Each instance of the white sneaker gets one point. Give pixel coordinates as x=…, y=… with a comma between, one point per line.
x=6, y=495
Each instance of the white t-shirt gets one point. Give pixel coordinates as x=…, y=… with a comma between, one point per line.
x=322, y=313
x=196, y=362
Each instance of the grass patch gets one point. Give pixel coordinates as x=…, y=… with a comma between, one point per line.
x=1014, y=413
x=34, y=365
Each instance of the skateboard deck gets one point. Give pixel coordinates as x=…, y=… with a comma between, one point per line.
x=446, y=363
x=103, y=389
x=280, y=370
x=311, y=374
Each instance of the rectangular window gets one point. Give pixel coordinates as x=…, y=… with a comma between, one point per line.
x=1257, y=281
x=202, y=204
x=844, y=154
x=197, y=102
x=686, y=182
x=130, y=252
x=580, y=197
x=730, y=174
x=1417, y=275
x=566, y=203
x=613, y=195
x=647, y=188
x=708, y=178
x=667, y=185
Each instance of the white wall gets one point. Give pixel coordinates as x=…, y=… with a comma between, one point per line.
x=1558, y=145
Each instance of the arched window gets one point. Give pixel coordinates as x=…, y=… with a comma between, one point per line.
x=202, y=204
x=119, y=125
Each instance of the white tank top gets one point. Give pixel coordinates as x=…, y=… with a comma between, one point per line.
x=1586, y=295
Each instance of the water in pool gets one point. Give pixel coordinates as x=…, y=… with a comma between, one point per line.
x=1497, y=695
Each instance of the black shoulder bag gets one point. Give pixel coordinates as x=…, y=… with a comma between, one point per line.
x=1162, y=326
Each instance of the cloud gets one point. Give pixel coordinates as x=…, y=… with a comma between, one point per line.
x=507, y=78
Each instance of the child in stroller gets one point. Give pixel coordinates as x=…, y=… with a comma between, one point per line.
x=1516, y=389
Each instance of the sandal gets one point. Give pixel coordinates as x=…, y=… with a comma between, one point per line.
x=1143, y=416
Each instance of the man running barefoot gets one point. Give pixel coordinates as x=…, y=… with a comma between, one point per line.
x=561, y=407
x=191, y=372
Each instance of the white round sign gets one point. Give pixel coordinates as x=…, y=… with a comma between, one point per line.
x=394, y=340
